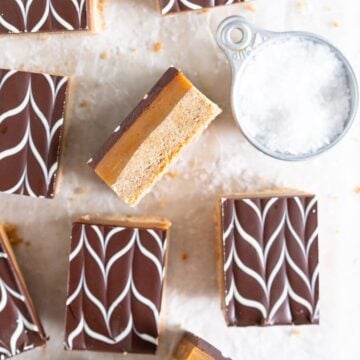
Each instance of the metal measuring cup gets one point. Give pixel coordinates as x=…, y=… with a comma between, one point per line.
x=239, y=52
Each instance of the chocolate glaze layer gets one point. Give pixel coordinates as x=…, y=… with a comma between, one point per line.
x=32, y=110
x=174, y=6
x=165, y=80
x=20, y=328
x=205, y=346
x=115, y=288
x=271, y=260
x=44, y=16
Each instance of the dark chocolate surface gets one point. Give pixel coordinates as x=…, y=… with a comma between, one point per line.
x=174, y=6
x=32, y=110
x=115, y=288
x=20, y=329
x=166, y=78
x=271, y=261
x=19, y=16
x=205, y=346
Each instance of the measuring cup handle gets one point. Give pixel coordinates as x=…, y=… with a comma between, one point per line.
x=232, y=48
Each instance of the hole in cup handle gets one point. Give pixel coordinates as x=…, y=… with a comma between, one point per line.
x=234, y=34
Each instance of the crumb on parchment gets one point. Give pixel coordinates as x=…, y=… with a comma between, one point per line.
x=184, y=256
x=204, y=11
x=295, y=332
x=172, y=174
x=157, y=46
x=105, y=55
x=301, y=5
x=162, y=204
x=84, y=104
x=250, y=7
x=12, y=234
x=80, y=191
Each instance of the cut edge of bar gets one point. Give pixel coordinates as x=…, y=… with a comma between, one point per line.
x=265, y=194
x=143, y=222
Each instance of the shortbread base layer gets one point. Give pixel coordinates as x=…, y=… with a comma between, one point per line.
x=188, y=119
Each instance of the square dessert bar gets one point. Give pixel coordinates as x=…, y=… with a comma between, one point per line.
x=149, y=140
x=20, y=328
x=115, y=285
x=176, y=6
x=41, y=16
x=32, y=110
x=269, y=261
x=192, y=347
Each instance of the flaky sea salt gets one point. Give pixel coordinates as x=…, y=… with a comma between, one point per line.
x=293, y=96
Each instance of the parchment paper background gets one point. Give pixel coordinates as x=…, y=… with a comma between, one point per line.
x=113, y=70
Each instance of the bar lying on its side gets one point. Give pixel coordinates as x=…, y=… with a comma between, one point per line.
x=148, y=141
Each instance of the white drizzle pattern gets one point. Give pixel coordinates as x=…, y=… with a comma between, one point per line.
x=268, y=312
x=48, y=170
x=49, y=11
x=23, y=324
x=129, y=289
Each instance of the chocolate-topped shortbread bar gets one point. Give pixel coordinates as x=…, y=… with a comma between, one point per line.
x=32, y=111
x=20, y=327
x=116, y=277
x=48, y=16
x=269, y=258
x=192, y=347
x=176, y=6
x=148, y=141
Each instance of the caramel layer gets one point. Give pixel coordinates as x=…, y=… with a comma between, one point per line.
x=112, y=164
x=188, y=351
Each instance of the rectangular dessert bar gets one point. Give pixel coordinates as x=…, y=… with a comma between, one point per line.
x=42, y=16
x=149, y=140
x=176, y=6
x=32, y=110
x=269, y=261
x=115, y=284
x=192, y=347
x=20, y=328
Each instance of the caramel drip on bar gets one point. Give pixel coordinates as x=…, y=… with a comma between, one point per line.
x=110, y=167
x=115, y=286
x=150, y=139
x=270, y=263
x=192, y=347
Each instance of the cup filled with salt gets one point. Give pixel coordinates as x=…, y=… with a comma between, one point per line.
x=294, y=95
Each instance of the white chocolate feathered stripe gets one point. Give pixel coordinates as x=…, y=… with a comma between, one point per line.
x=271, y=244
x=31, y=16
x=108, y=251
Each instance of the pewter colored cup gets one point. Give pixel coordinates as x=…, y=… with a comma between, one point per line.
x=240, y=51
